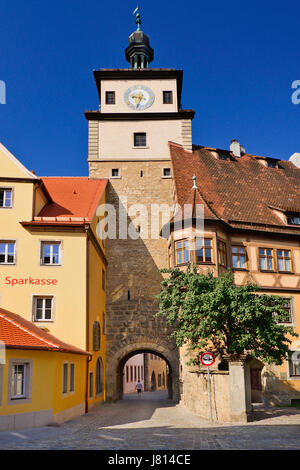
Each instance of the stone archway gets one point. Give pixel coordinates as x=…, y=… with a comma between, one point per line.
x=114, y=378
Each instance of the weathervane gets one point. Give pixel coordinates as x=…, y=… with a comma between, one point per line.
x=138, y=17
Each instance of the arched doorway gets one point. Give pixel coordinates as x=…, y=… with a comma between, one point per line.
x=256, y=380
x=172, y=363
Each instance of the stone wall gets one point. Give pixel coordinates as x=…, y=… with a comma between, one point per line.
x=133, y=276
x=196, y=398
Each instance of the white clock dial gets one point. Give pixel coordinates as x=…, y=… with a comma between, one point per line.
x=139, y=97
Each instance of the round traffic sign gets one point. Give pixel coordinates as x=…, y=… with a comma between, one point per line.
x=207, y=359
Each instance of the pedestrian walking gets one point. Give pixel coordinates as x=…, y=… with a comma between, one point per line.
x=138, y=388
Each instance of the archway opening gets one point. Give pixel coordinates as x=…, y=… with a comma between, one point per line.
x=148, y=367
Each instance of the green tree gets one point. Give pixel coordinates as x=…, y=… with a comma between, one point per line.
x=212, y=312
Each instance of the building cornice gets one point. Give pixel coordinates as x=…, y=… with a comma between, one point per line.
x=163, y=116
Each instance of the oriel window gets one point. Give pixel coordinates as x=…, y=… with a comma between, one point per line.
x=222, y=255
x=239, y=257
x=204, y=250
x=284, y=261
x=182, y=254
x=266, y=259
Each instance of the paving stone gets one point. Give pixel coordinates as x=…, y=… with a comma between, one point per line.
x=153, y=422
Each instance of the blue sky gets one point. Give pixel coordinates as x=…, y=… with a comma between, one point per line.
x=239, y=61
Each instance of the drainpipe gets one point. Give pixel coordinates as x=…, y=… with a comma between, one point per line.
x=89, y=358
x=87, y=340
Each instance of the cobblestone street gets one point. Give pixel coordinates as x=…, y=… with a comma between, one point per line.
x=153, y=422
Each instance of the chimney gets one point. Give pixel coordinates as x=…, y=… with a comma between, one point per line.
x=295, y=159
x=236, y=148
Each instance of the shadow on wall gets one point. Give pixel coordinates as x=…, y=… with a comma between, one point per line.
x=133, y=281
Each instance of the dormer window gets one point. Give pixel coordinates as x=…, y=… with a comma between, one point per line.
x=272, y=164
x=293, y=219
x=222, y=156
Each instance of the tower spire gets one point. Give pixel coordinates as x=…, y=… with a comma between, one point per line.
x=139, y=53
x=138, y=18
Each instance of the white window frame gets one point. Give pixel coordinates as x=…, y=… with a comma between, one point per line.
x=289, y=360
x=167, y=176
x=8, y=242
x=27, y=386
x=51, y=243
x=6, y=190
x=34, y=306
x=115, y=177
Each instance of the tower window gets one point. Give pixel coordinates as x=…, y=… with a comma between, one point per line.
x=140, y=139
x=167, y=97
x=110, y=97
x=115, y=173
x=167, y=172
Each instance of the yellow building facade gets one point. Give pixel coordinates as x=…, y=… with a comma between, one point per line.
x=41, y=378
x=52, y=260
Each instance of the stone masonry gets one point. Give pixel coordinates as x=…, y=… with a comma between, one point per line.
x=133, y=277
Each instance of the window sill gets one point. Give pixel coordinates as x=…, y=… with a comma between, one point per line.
x=285, y=272
x=209, y=263
x=115, y=177
x=50, y=265
x=167, y=177
x=42, y=321
x=266, y=271
x=141, y=147
x=8, y=264
x=240, y=269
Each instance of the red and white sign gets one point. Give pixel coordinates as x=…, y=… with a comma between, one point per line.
x=207, y=359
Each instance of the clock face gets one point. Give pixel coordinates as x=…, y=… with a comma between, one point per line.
x=139, y=97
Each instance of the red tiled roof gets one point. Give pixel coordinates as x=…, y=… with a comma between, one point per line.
x=238, y=191
x=18, y=333
x=74, y=200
